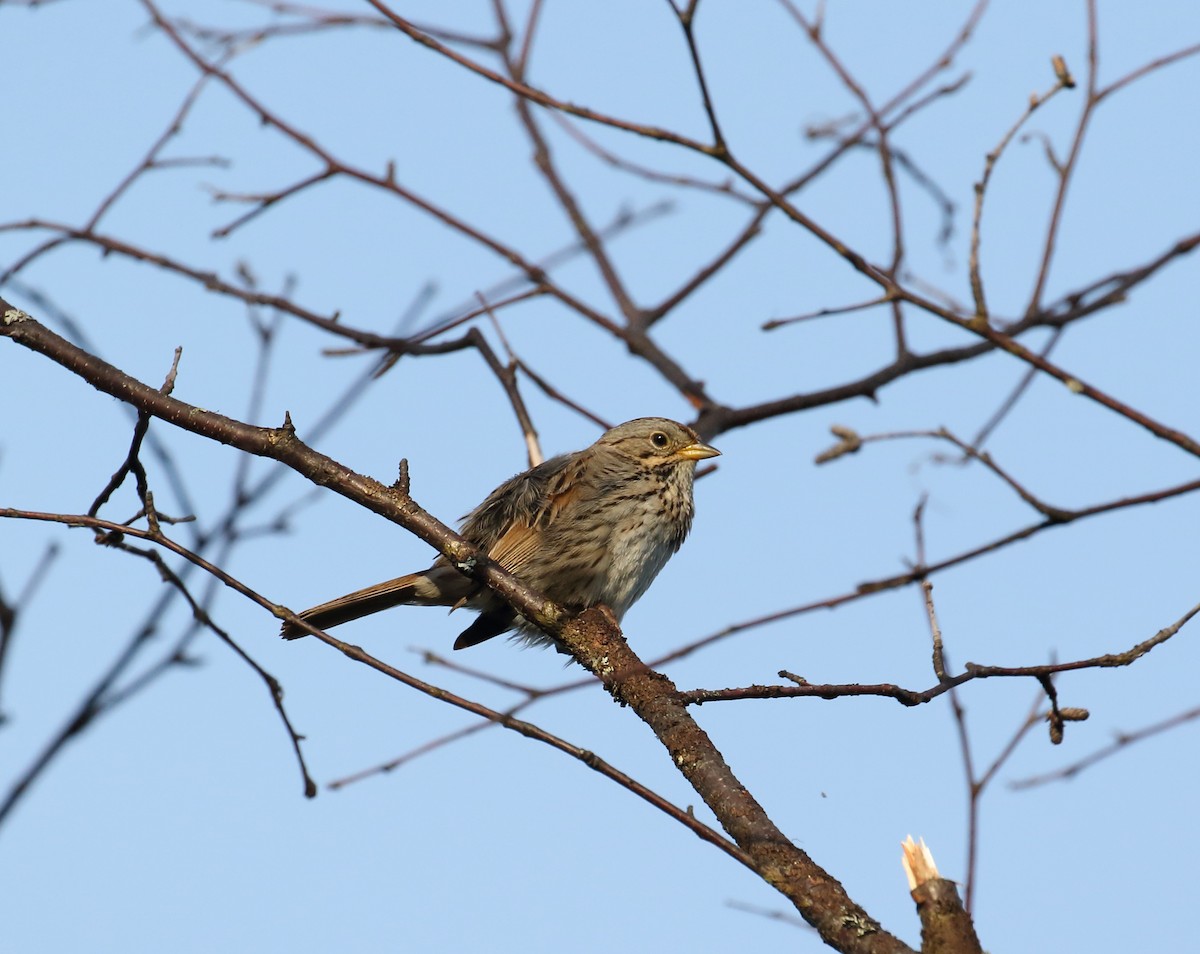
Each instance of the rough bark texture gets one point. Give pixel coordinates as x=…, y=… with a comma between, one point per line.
x=821, y=900
x=946, y=927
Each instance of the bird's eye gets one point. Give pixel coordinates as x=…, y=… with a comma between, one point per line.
x=658, y=439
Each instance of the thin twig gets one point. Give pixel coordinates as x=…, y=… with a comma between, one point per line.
x=1062, y=80
x=1120, y=741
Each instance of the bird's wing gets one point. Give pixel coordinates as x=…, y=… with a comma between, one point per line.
x=526, y=527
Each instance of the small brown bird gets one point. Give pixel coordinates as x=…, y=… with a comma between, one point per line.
x=591, y=527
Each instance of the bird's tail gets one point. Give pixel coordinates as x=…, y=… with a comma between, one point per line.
x=437, y=586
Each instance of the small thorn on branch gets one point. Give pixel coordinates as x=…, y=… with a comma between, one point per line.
x=168, y=384
x=402, y=483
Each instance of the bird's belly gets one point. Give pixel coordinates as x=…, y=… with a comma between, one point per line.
x=636, y=561
x=618, y=557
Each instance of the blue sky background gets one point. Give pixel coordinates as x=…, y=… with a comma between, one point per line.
x=177, y=823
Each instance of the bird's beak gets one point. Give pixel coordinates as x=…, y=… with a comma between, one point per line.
x=698, y=451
